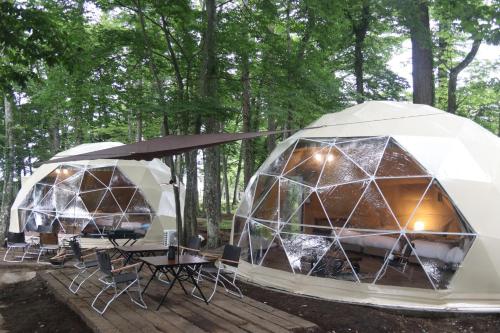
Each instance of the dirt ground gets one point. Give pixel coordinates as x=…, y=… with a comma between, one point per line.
x=341, y=317
x=29, y=306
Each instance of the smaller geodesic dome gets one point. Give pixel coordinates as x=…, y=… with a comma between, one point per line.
x=384, y=203
x=92, y=197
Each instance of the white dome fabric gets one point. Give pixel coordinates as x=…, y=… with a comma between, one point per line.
x=385, y=203
x=95, y=196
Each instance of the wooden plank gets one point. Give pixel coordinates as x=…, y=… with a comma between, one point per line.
x=238, y=311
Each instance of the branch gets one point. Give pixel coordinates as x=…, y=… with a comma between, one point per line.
x=468, y=58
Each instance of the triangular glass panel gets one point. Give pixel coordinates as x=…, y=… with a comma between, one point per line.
x=335, y=265
x=268, y=208
x=308, y=171
x=309, y=218
x=303, y=152
x=239, y=223
x=92, y=199
x=71, y=183
x=303, y=251
x=38, y=219
x=90, y=183
x=440, y=254
x=40, y=191
x=90, y=228
x=47, y=204
x=339, y=201
x=367, y=252
x=276, y=167
x=372, y=213
x=67, y=171
x=50, y=179
x=276, y=257
x=263, y=185
x=366, y=153
x=62, y=198
x=436, y=213
x=396, y=162
x=292, y=196
x=403, y=195
x=138, y=204
x=123, y=195
x=246, y=202
x=243, y=241
x=108, y=204
x=339, y=169
x=261, y=238
x=103, y=174
x=402, y=268
x=120, y=180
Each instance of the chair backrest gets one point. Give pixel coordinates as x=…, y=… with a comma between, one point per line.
x=15, y=237
x=231, y=252
x=194, y=243
x=407, y=250
x=104, y=262
x=48, y=238
x=75, y=247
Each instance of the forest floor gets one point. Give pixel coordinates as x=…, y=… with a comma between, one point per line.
x=29, y=306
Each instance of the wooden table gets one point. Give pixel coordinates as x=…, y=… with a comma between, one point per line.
x=183, y=268
x=129, y=252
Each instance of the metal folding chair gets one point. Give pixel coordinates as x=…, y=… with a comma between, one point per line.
x=16, y=242
x=120, y=279
x=85, y=262
x=49, y=242
x=226, y=265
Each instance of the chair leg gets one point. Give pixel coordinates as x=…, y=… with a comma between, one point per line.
x=106, y=287
x=76, y=284
x=232, y=283
x=209, y=276
x=9, y=248
x=139, y=302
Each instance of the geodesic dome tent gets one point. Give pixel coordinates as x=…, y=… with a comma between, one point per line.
x=92, y=197
x=384, y=203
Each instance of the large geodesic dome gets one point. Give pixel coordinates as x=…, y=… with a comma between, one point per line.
x=92, y=197
x=384, y=203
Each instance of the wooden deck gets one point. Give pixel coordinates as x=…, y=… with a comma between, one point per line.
x=179, y=313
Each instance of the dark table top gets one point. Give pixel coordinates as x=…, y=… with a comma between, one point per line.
x=182, y=260
x=142, y=248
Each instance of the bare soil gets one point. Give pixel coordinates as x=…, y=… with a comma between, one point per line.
x=341, y=317
x=29, y=306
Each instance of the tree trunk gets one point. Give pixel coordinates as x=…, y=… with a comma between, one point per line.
x=138, y=128
x=55, y=137
x=163, y=106
x=360, y=28
x=226, y=182
x=246, y=150
x=9, y=158
x=452, y=80
x=422, y=64
x=212, y=191
x=237, y=178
